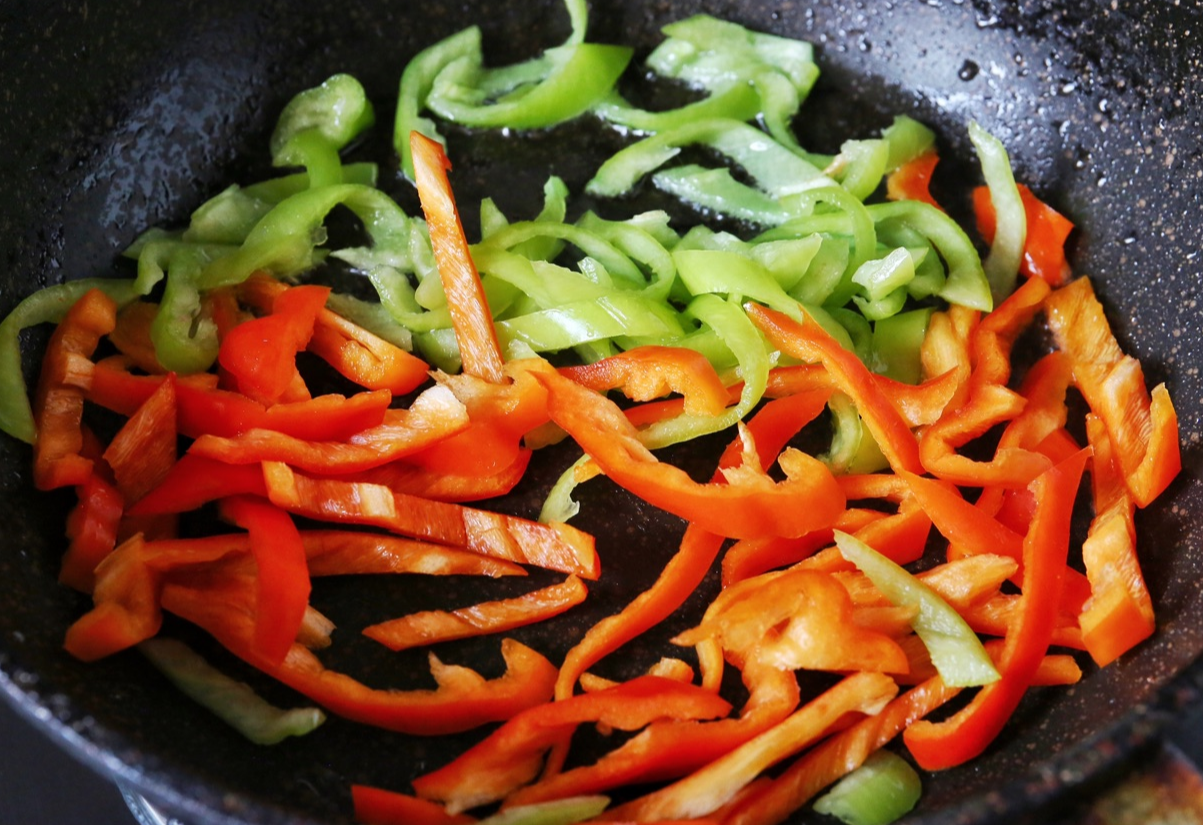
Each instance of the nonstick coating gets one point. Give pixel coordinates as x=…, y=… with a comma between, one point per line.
x=118, y=116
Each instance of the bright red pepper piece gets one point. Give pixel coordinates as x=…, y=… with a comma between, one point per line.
x=912, y=180
x=92, y=527
x=144, y=449
x=376, y=806
x=648, y=372
x=1047, y=231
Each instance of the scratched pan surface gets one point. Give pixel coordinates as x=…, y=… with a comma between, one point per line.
x=117, y=116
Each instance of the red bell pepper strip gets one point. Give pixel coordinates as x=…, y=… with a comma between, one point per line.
x=463, y=700
x=126, y=607
x=432, y=626
x=556, y=547
x=355, y=353
x=912, y=180
x=1047, y=231
x=349, y=552
x=376, y=806
x=738, y=510
x=751, y=557
x=512, y=755
x=194, y=480
x=704, y=791
x=281, y=575
x=260, y=354
x=92, y=527
x=810, y=342
x=59, y=403
x=1143, y=430
x=204, y=409
x=432, y=417
x=1119, y=613
x=774, y=801
x=970, y=731
x=648, y=372
x=144, y=449
x=989, y=402
x=404, y=477
x=131, y=336
x=471, y=318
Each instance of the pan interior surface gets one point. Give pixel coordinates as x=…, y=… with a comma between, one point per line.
x=118, y=117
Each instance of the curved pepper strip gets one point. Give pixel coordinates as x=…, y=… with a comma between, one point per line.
x=404, y=477
x=989, y=402
x=463, y=700
x=746, y=510
x=1119, y=613
x=144, y=450
x=912, y=180
x=59, y=404
x=1048, y=229
x=1143, y=430
x=126, y=611
x=937, y=745
x=376, y=806
x=92, y=527
x=470, y=315
x=809, y=342
x=512, y=755
x=648, y=372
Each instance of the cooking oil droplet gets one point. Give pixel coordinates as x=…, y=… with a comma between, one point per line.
x=968, y=70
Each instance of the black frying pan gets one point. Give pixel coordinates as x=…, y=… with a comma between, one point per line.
x=116, y=116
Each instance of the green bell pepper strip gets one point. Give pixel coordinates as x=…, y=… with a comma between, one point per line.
x=1006, y=251
x=853, y=448
x=863, y=165
x=794, y=58
x=553, y=286
x=773, y=167
x=416, y=82
x=908, y=139
x=715, y=190
x=559, y=506
x=966, y=283
x=825, y=271
x=46, y=306
x=641, y=244
x=855, y=330
x=616, y=262
x=882, y=276
x=612, y=315
x=955, y=649
x=860, y=219
x=567, y=811
x=929, y=269
x=555, y=210
x=883, y=789
x=372, y=316
x=897, y=342
x=737, y=100
x=235, y=703
x=705, y=271
x=581, y=75
x=319, y=122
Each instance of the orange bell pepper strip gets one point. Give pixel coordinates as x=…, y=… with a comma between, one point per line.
x=144, y=449
x=131, y=336
x=774, y=801
x=512, y=755
x=912, y=180
x=556, y=546
x=1047, y=231
x=126, y=609
x=463, y=700
x=282, y=584
x=92, y=527
x=403, y=477
x=194, y=481
x=260, y=354
x=1143, y=430
x=471, y=318
x=648, y=372
x=433, y=626
x=669, y=749
x=1119, y=613
x=376, y=806
x=971, y=730
x=706, y=790
x=354, y=352
x=204, y=409
x=751, y=557
x=432, y=417
x=350, y=552
x=989, y=402
x=59, y=402
x=742, y=510
x=810, y=342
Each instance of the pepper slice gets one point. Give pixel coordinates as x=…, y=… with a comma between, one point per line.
x=144, y=449
x=1048, y=229
x=649, y=372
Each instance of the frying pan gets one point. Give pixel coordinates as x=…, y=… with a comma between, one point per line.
x=118, y=116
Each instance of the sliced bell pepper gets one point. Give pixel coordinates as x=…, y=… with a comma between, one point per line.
x=705, y=790
x=912, y=180
x=556, y=547
x=433, y=416
x=348, y=552
x=649, y=372
x=126, y=609
x=131, y=335
x=260, y=354
x=1119, y=613
x=475, y=334
x=751, y=557
x=404, y=477
x=809, y=342
x=281, y=575
x=1047, y=231
x=144, y=450
x=376, y=806
x=58, y=406
x=432, y=626
x=92, y=527
x=512, y=755
x=1006, y=247
x=1143, y=430
x=746, y=509
x=970, y=731
x=194, y=480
